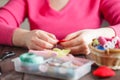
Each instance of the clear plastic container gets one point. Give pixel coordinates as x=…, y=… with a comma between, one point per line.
x=52, y=67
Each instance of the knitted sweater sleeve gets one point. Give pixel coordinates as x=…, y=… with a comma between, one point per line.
x=11, y=16
x=111, y=11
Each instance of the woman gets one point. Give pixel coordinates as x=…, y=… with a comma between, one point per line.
x=75, y=21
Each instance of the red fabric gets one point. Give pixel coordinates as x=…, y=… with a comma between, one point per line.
x=62, y=41
x=103, y=72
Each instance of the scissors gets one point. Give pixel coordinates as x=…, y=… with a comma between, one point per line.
x=6, y=55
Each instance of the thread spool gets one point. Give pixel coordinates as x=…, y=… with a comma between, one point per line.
x=107, y=44
x=31, y=58
x=102, y=40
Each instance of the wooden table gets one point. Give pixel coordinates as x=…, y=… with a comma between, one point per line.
x=8, y=72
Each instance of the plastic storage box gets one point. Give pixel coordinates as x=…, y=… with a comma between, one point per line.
x=52, y=67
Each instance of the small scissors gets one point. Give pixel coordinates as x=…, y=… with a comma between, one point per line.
x=0, y=71
x=6, y=55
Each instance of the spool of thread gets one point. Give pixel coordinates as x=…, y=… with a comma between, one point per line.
x=102, y=40
x=30, y=62
x=109, y=45
x=31, y=58
x=116, y=41
x=95, y=42
x=106, y=44
x=100, y=47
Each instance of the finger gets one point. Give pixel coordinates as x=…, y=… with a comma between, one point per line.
x=35, y=47
x=72, y=36
x=51, y=35
x=73, y=42
x=42, y=43
x=48, y=37
x=54, y=38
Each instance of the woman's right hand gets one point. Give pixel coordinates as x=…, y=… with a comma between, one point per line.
x=35, y=39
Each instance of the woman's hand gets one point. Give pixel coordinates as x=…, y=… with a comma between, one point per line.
x=35, y=39
x=78, y=41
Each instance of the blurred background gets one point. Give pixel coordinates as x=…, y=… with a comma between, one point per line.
x=25, y=24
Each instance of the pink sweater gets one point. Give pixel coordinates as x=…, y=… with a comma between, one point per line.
x=76, y=15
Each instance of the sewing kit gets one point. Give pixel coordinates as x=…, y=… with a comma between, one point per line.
x=106, y=52
x=52, y=64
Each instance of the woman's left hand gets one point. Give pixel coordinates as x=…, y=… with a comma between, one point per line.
x=78, y=41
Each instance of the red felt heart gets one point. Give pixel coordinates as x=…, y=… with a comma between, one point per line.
x=103, y=72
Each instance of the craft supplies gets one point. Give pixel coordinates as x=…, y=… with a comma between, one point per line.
x=44, y=53
x=107, y=43
x=103, y=72
x=6, y=55
x=60, y=41
x=106, y=53
x=95, y=42
x=31, y=58
x=61, y=52
x=55, y=52
x=67, y=66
